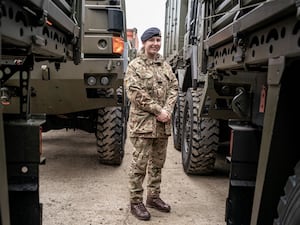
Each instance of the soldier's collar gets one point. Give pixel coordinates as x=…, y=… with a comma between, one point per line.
x=148, y=61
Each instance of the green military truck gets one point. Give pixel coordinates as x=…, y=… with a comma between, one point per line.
x=237, y=63
x=88, y=96
x=62, y=66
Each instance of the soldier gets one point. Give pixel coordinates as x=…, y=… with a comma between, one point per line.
x=152, y=90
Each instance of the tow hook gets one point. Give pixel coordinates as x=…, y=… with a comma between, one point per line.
x=240, y=103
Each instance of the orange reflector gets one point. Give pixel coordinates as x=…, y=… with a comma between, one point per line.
x=118, y=45
x=48, y=22
x=5, y=102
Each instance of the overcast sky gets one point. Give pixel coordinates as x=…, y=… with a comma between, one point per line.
x=142, y=14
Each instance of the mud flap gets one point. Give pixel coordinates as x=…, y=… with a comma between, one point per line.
x=23, y=143
x=245, y=150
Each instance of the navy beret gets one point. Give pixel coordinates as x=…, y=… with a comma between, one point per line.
x=149, y=33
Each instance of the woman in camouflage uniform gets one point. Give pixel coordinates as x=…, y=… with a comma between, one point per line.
x=152, y=89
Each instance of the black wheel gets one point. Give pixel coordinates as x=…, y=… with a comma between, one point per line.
x=200, y=137
x=177, y=119
x=111, y=135
x=289, y=205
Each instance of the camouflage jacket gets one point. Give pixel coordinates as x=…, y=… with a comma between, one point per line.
x=150, y=87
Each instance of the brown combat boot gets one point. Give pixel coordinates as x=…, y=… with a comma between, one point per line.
x=158, y=204
x=139, y=211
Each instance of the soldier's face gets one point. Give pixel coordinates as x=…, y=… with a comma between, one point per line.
x=152, y=46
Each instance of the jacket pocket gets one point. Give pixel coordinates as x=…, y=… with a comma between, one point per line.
x=168, y=128
x=141, y=122
x=146, y=78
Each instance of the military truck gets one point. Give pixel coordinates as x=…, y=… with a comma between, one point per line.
x=62, y=66
x=236, y=63
x=133, y=42
x=88, y=96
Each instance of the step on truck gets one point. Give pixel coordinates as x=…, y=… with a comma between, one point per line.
x=237, y=64
x=62, y=66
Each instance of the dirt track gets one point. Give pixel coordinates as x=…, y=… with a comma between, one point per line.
x=76, y=190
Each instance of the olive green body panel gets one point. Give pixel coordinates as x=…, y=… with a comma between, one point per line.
x=66, y=90
x=62, y=87
x=101, y=21
x=175, y=24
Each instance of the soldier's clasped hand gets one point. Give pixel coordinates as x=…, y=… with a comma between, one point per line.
x=164, y=116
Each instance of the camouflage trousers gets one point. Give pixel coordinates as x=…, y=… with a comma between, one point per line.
x=149, y=156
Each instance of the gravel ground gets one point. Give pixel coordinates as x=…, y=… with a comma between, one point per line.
x=76, y=190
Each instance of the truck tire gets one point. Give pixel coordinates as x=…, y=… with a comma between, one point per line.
x=199, y=139
x=177, y=120
x=111, y=135
x=289, y=205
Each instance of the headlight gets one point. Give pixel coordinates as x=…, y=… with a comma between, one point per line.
x=104, y=80
x=91, y=81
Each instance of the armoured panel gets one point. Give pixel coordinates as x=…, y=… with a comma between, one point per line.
x=174, y=27
x=33, y=35
x=97, y=44
x=96, y=20
x=54, y=90
x=100, y=23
